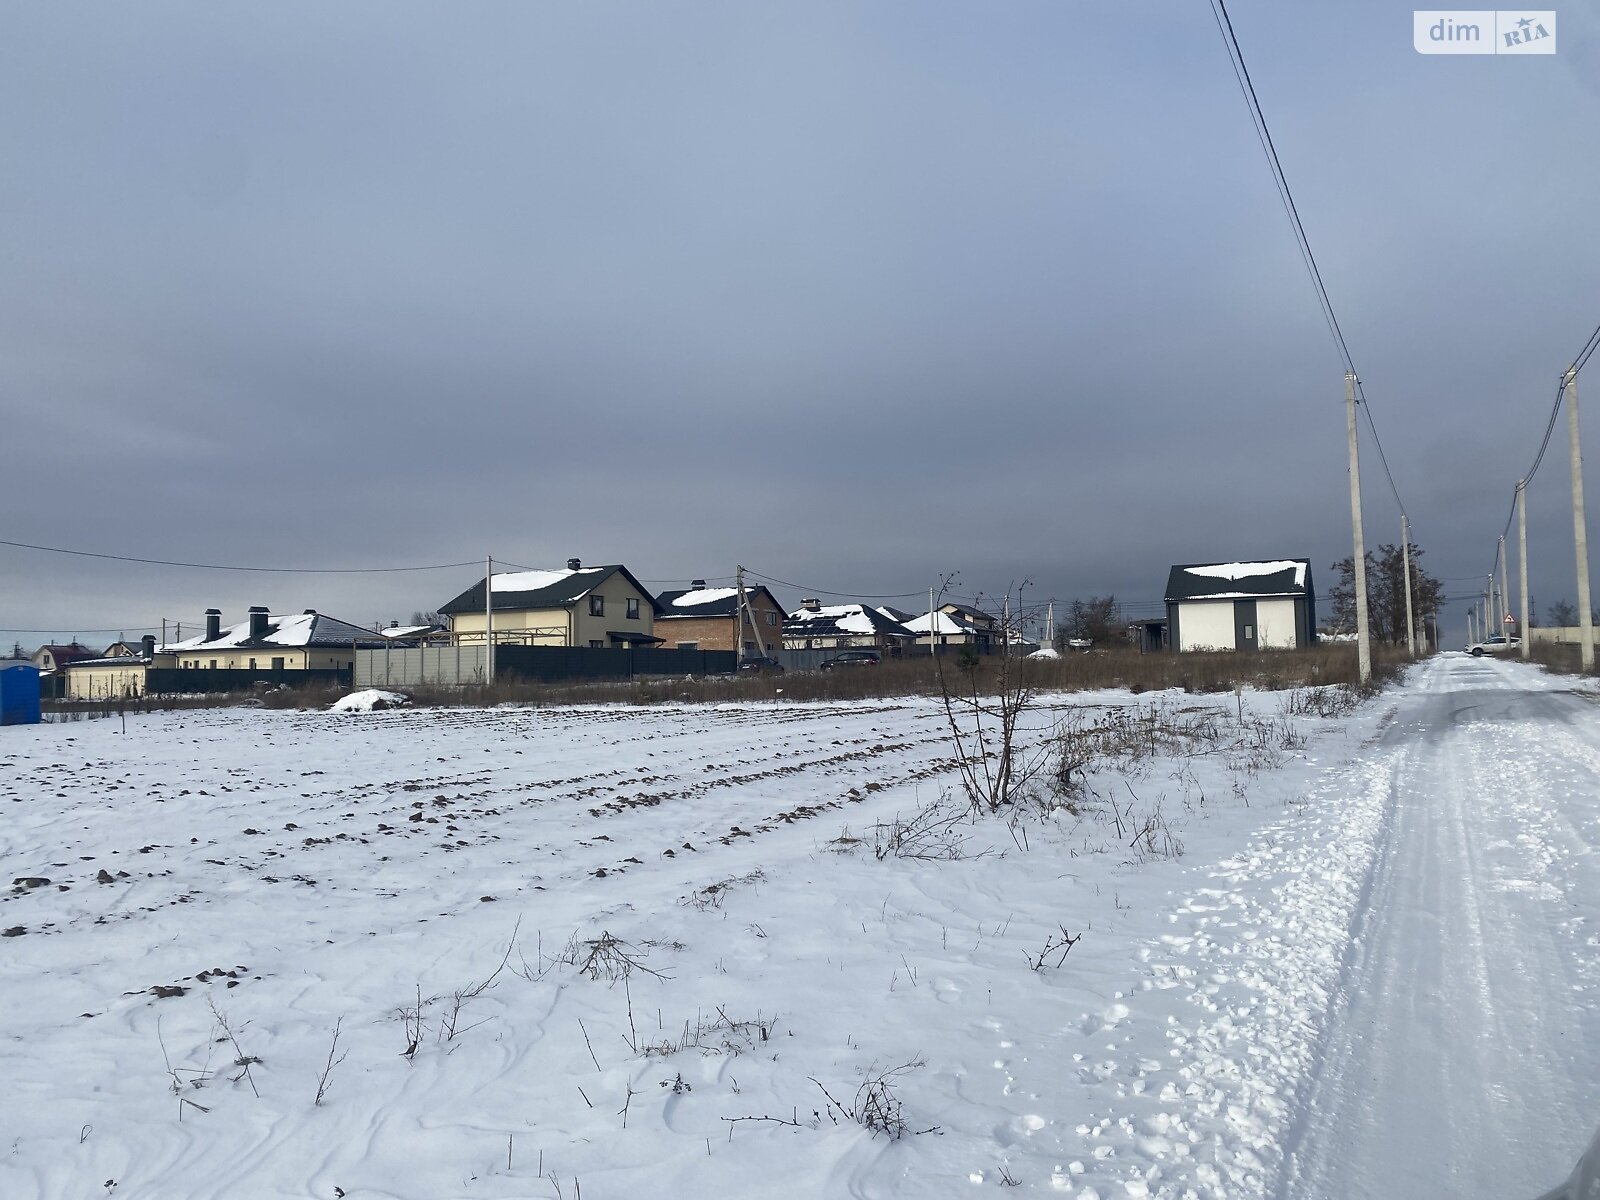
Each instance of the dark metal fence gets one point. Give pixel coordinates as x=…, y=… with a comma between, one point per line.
x=454, y=666
x=166, y=681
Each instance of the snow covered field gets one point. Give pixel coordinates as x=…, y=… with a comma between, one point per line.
x=625, y=952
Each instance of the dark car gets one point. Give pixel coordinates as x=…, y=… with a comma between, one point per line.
x=765, y=665
x=852, y=658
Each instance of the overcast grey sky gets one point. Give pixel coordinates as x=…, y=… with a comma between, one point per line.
x=858, y=294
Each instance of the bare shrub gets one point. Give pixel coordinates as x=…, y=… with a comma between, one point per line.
x=1063, y=942
x=929, y=833
x=713, y=895
x=876, y=1106
x=241, y=1060
x=606, y=957
x=325, y=1081
x=720, y=1034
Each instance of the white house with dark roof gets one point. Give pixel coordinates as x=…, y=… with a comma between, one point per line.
x=302, y=641
x=270, y=648
x=579, y=606
x=1267, y=605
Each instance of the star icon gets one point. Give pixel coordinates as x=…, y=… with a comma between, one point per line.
x=1524, y=23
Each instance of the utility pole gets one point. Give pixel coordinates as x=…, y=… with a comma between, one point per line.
x=488, y=619
x=1363, y=631
x=1522, y=566
x=1580, y=529
x=933, y=641
x=746, y=610
x=1405, y=544
x=1505, y=593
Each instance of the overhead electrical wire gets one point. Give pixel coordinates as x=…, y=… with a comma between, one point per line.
x=1578, y=362
x=1247, y=87
x=200, y=566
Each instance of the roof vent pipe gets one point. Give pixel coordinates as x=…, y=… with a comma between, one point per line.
x=148, y=645
x=258, y=622
x=696, y=585
x=812, y=603
x=213, y=624
x=574, y=564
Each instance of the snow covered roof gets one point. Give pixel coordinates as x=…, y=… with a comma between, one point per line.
x=1240, y=580
x=516, y=590
x=407, y=631
x=841, y=618
x=307, y=629
x=943, y=622
x=709, y=602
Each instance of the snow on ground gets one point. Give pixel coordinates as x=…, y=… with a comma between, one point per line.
x=708, y=965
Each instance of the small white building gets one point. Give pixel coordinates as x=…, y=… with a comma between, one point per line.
x=1266, y=605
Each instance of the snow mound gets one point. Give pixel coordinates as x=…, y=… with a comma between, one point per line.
x=1045, y=652
x=369, y=700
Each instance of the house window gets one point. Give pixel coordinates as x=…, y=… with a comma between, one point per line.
x=252, y=664
x=597, y=606
x=633, y=608
x=688, y=645
x=596, y=644
x=772, y=618
x=213, y=664
x=277, y=664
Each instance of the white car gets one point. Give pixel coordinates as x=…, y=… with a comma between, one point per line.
x=1495, y=645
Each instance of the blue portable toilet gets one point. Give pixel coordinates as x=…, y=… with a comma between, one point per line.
x=19, y=693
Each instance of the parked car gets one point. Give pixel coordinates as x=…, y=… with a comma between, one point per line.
x=852, y=658
x=764, y=665
x=1495, y=645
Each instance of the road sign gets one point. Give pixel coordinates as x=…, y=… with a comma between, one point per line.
x=1508, y=619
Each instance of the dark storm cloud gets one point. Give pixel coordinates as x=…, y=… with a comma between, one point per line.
x=857, y=294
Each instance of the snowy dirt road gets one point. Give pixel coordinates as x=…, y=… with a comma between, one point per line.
x=1462, y=1058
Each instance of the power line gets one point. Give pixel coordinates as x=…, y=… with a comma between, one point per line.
x=162, y=562
x=825, y=592
x=1578, y=362
x=1241, y=72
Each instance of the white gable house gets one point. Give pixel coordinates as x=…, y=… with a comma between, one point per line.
x=1241, y=606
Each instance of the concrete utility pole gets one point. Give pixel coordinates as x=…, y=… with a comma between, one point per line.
x=933, y=640
x=1405, y=550
x=1522, y=566
x=1580, y=528
x=1505, y=593
x=1363, y=630
x=488, y=619
x=746, y=610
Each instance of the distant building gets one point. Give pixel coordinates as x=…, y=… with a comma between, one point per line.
x=580, y=606
x=702, y=618
x=1267, y=605
x=818, y=626
x=56, y=657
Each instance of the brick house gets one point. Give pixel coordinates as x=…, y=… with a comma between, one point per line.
x=702, y=618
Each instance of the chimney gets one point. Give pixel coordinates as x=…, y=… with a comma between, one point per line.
x=148, y=643
x=213, y=624
x=310, y=612
x=696, y=585
x=574, y=564
x=812, y=603
x=258, y=622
